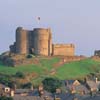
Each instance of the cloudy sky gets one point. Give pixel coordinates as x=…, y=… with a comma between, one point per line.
x=71, y=21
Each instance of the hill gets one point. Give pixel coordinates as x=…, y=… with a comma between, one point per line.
x=52, y=67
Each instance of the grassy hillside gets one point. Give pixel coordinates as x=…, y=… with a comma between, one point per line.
x=43, y=65
x=45, y=68
x=78, y=69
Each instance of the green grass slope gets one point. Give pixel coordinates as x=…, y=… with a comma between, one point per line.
x=44, y=66
x=77, y=69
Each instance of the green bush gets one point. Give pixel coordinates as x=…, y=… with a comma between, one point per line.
x=20, y=75
x=5, y=80
x=27, y=85
x=6, y=98
x=30, y=56
x=51, y=84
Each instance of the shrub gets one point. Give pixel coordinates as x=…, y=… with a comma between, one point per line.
x=6, y=98
x=51, y=84
x=20, y=75
x=30, y=56
x=27, y=85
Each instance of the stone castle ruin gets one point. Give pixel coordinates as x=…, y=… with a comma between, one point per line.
x=39, y=42
x=97, y=53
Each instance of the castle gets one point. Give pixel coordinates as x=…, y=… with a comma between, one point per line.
x=39, y=42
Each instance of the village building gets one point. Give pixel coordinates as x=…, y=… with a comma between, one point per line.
x=93, y=85
x=74, y=86
x=4, y=90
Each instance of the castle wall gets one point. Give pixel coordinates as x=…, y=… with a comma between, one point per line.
x=13, y=48
x=63, y=49
x=97, y=53
x=21, y=41
x=41, y=41
x=30, y=41
x=50, y=43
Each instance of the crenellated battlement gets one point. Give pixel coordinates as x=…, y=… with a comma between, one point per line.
x=64, y=45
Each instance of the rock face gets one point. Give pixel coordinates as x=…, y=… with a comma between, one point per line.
x=39, y=42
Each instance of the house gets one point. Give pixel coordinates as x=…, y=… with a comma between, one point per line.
x=44, y=94
x=92, y=85
x=81, y=89
x=6, y=89
x=74, y=86
x=72, y=82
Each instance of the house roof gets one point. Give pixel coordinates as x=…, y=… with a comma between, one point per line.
x=92, y=98
x=3, y=86
x=18, y=97
x=72, y=82
x=81, y=88
x=92, y=84
x=17, y=91
x=64, y=96
x=46, y=93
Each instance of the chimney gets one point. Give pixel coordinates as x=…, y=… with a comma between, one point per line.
x=32, y=88
x=12, y=93
x=40, y=88
x=96, y=80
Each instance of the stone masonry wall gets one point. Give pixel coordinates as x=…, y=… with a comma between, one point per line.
x=21, y=41
x=39, y=42
x=63, y=49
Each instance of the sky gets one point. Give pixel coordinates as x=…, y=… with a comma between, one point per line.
x=71, y=21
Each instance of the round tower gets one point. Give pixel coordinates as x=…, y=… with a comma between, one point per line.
x=21, y=41
x=42, y=41
x=50, y=42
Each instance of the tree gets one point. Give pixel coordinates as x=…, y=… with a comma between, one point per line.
x=20, y=75
x=27, y=85
x=51, y=84
x=6, y=98
x=5, y=80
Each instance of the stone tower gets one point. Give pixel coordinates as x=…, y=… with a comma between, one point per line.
x=37, y=41
x=21, y=41
x=42, y=41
